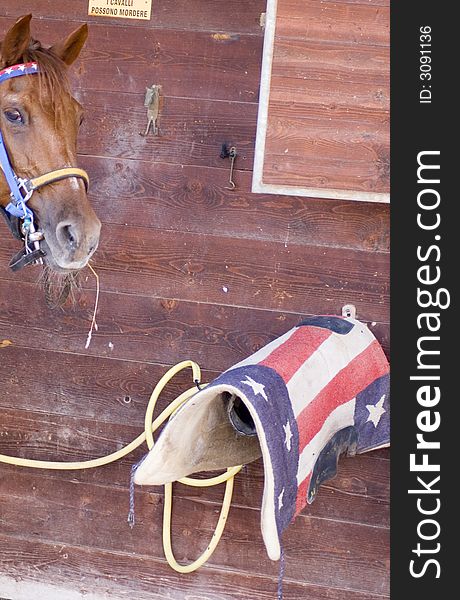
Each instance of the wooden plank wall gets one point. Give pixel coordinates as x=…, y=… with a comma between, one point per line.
x=330, y=99
x=188, y=269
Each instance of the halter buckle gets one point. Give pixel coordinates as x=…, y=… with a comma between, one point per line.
x=25, y=186
x=17, y=207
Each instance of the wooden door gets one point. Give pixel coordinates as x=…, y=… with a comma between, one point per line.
x=323, y=121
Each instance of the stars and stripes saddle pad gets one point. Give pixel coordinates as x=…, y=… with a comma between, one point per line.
x=318, y=391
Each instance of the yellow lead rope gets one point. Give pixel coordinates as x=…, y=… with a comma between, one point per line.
x=150, y=426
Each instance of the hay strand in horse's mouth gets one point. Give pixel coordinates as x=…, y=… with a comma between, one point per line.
x=93, y=320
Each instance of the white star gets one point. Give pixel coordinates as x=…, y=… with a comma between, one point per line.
x=34, y=66
x=257, y=388
x=21, y=68
x=9, y=71
x=280, y=500
x=288, y=434
x=376, y=411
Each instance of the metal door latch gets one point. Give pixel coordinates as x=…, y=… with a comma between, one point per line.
x=153, y=103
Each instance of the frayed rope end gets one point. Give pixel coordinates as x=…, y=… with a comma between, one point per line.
x=131, y=514
x=131, y=519
x=281, y=574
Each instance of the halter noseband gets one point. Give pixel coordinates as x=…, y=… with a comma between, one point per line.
x=19, y=217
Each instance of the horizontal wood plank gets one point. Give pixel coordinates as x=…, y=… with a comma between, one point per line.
x=123, y=58
x=191, y=131
x=77, y=514
x=112, y=575
x=353, y=176
x=219, y=270
x=244, y=273
x=196, y=199
x=356, y=64
x=108, y=390
x=333, y=95
x=367, y=121
x=363, y=23
x=342, y=158
x=145, y=329
x=359, y=494
x=191, y=15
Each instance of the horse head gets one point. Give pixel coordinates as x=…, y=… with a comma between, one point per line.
x=39, y=123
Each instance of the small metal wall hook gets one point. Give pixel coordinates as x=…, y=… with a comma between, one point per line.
x=153, y=102
x=349, y=311
x=232, y=154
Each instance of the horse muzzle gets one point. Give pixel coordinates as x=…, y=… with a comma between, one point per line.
x=68, y=245
x=71, y=243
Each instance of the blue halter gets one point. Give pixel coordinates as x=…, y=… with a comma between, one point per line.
x=19, y=192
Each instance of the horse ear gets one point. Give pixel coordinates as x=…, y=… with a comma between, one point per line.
x=69, y=49
x=16, y=41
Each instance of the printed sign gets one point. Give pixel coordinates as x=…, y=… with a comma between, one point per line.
x=122, y=9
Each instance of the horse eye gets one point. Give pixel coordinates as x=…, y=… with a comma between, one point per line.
x=14, y=116
x=82, y=118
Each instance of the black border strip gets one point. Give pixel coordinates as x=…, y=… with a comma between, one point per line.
x=424, y=127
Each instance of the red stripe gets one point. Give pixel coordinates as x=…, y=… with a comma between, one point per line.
x=352, y=379
x=287, y=359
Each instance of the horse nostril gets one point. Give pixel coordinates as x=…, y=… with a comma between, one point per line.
x=67, y=235
x=70, y=236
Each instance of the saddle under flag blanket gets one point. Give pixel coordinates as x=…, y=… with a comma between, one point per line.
x=328, y=378
x=318, y=391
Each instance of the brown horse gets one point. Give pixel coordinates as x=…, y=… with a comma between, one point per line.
x=39, y=122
